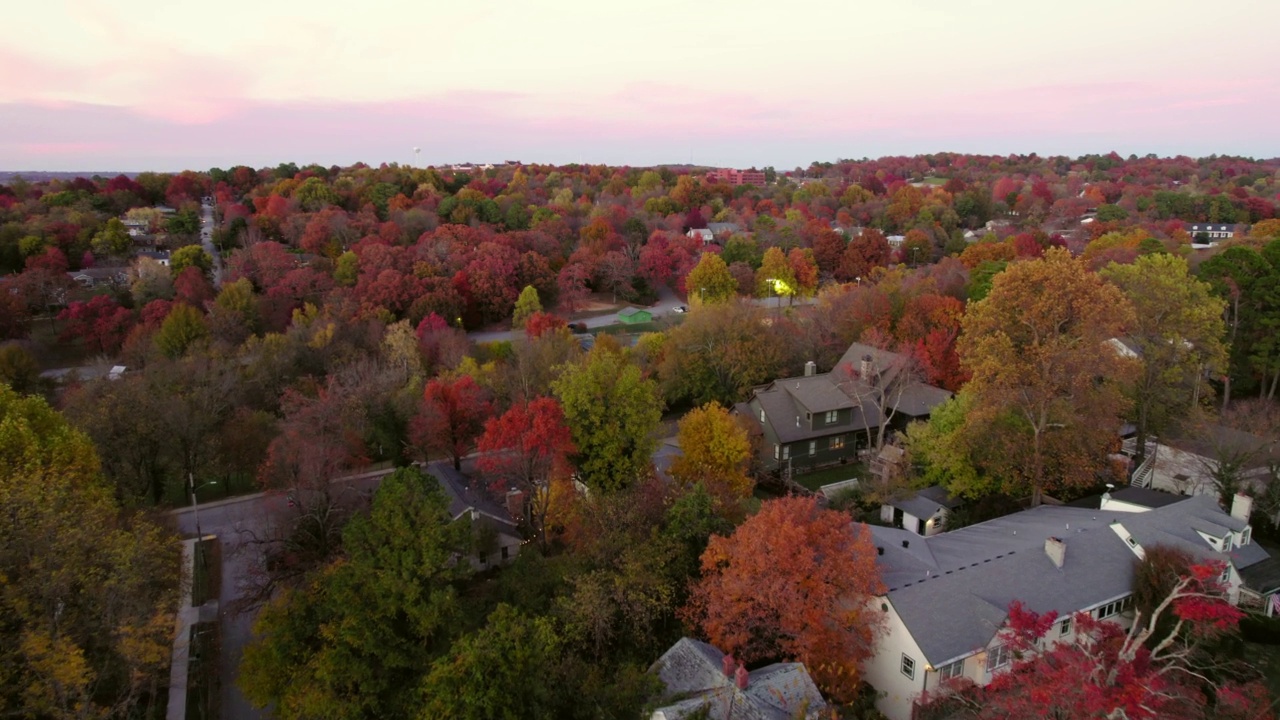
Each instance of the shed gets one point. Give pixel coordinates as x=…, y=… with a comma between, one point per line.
x=634, y=316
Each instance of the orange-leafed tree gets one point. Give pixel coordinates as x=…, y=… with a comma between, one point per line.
x=795, y=581
x=526, y=449
x=452, y=415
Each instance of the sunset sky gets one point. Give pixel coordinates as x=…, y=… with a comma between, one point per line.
x=133, y=85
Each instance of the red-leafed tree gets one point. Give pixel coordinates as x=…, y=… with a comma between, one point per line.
x=265, y=264
x=441, y=346
x=192, y=287
x=523, y=449
x=100, y=323
x=1160, y=667
x=13, y=315
x=828, y=249
x=52, y=260
x=869, y=250
x=792, y=582
x=540, y=323
x=939, y=360
x=572, y=285
x=452, y=415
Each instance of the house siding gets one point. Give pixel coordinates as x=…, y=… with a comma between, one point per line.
x=883, y=670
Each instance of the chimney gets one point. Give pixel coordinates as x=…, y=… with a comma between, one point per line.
x=1056, y=550
x=741, y=677
x=868, y=367
x=906, y=543
x=515, y=503
x=727, y=664
x=810, y=369
x=1241, y=507
x=879, y=550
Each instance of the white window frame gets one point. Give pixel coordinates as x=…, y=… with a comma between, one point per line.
x=786, y=452
x=836, y=443
x=761, y=414
x=998, y=657
x=813, y=447
x=776, y=451
x=1065, y=626
x=951, y=671
x=831, y=417
x=908, y=666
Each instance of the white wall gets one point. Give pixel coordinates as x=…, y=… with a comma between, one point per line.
x=883, y=669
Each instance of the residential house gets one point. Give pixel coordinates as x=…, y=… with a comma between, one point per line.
x=737, y=177
x=895, y=241
x=826, y=418
x=703, y=682
x=923, y=513
x=100, y=277
x=704, y=234
x=948, y=595
x=1211, y=233
x=1185, y=462
x=497, y=533
x=136, y=227
x=159, y=256
x=721, y=230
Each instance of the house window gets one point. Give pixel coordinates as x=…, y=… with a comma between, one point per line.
x=837, y=442
x=1111, y=608
x=1244, y=536
x=813, y=447
x=831, y=417
x=908, y=666
x=1065, y=627
x=761, y=414
x=786, y=452
x=952, y=671
x=775, y=451
x=998, y=657
x=506, y=552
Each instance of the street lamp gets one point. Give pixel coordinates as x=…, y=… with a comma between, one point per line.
x=195, y=504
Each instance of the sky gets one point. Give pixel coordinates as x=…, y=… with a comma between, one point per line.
x=130, y=85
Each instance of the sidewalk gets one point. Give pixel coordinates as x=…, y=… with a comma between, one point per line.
x=187, y=616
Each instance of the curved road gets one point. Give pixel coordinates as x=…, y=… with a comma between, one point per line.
x=206, y=240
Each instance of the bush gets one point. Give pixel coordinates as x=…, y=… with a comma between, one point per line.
x=1261, y=630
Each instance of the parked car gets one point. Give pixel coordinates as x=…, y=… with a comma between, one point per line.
x=681, y=309
x=578, y=327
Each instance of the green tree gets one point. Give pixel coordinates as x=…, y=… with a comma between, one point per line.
x=112, y=240
x=506, y=670
x=982, y=276
x=1177, y=332
x=190, y=256
x=313, y=194
x=237, y=305
x=526, y=305
x=719, y=353
x=775, y=276
x=1047, y=392
x=346, y=269
x=18, y=368
x=612, y=411
x=183, y=326
x=87, y=592
x=1249, y=281
x=185, y=222
x=940, y=454
x=355, y=640
x=710, y=281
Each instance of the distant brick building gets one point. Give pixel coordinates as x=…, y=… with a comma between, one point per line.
x=737, y=177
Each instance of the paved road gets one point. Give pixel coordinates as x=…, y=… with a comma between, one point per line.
x=206, y=239
x=236, y=522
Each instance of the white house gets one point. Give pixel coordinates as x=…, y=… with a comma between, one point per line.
x=704, y=234
x=923, y=513
x=701, y=681
x=1185, y=463
x=948, y=594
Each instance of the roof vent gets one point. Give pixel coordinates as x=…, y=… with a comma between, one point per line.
x=906, y=543
x=879, y=550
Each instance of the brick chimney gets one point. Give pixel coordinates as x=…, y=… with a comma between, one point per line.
x=810, y=369
x=515, y=503
x=868, y=368
x=741, y=677
x=727, y=664
x=1241, y=507
x=1056, y=550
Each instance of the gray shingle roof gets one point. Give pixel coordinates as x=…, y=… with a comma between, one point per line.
x=774, y=692
x=952, y=590
x=927, y=502
x=1146, y=497
x=462, y=497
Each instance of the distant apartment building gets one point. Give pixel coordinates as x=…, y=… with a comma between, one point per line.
x=737, y=177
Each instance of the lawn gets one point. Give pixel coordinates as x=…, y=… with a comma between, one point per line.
x=833, y=474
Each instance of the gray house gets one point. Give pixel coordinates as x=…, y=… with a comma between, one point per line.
x=826, y=418
x=948, y=595
x=700, y=679
x=498, y=538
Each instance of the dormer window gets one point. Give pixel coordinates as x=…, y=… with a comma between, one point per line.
x=761, y=414
x=1244, y=536
x=831, y=417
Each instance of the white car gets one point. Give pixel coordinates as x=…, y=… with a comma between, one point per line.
x=680, y=309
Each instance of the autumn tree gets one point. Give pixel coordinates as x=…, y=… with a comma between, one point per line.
x=1247, y=279
x=452, y=416
x=89, y=590
x=526, y=306
x=183, y=327
x=524, y=449
x=1177, y=333
x=1162, y=666
x=714, y=451
x=1047, y=388
x=100, y=323
x=612, y=411
x=794, y=581
x=112, y=240
x=710, y=281
x=718, y=353
x=867, y=251
x=190, y=256
x=775, y=277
